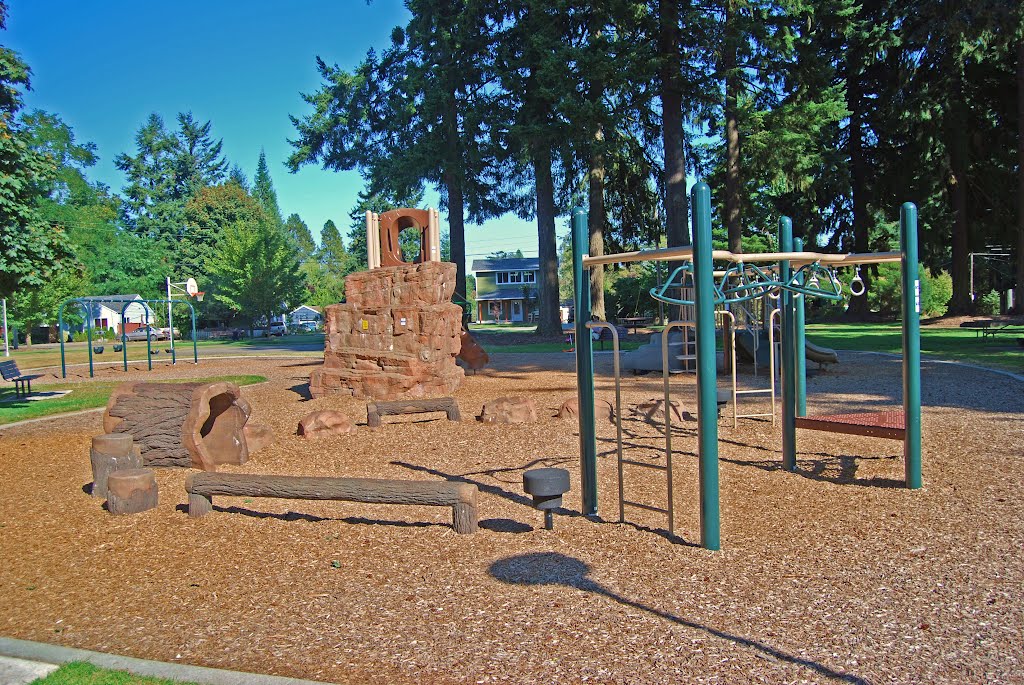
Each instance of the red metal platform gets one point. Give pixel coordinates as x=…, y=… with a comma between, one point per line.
x=890, y=424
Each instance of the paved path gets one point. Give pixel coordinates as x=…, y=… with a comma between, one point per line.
x=22, y=661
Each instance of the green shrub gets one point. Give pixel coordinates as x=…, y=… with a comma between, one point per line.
x=941, y=285
x=987, y=304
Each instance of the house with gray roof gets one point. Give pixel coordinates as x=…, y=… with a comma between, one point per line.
x=506, y=289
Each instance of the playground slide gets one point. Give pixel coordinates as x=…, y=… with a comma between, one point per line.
x=821, y=355
x=745, y=346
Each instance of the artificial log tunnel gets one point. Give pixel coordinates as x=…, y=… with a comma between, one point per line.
x=189, y=425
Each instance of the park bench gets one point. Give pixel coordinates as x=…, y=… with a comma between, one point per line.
x=461, y=497
x=22, y=383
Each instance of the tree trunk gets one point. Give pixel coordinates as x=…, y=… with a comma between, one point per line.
x=1019, y=293
x=597, y=220
x=672, y=124
x=456, y=199
x=733, y=181
x=190, y=425
x=858, y=308
x=550, y=322
x=956, y=142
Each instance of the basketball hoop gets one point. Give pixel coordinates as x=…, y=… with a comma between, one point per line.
x=191, y=287
x=199, y=295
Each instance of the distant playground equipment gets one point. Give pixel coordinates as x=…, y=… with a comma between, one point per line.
x=86, y=306
x=790, y=276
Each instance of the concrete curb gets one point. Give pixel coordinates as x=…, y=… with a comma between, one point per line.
x=52, y=654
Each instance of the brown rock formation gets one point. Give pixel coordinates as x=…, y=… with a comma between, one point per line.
x=396, y=337
x=570, y=409
x=509, y=410
x=326, y=422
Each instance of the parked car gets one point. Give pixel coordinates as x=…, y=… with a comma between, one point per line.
x=143, y=331
x=164, y=332
x=278, y=328
x=307, y=327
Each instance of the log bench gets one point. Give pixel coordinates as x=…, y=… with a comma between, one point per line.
x=375, y=410
x=461, y=497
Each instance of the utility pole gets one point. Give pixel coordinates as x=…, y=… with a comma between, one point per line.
x=7, y=349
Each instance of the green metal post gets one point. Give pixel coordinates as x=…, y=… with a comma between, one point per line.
x=60, y=335
x=88, y=336
x=788, y=352
x=911, y=346
x=124, y=341
x=195, y=350
x=707, y=401
x=800, y=305
x=584, y=363
x=149, y=340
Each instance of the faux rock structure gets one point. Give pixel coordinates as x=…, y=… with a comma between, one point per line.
x=396, y=337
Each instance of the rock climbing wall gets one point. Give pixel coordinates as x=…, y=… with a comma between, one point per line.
x=396, y=337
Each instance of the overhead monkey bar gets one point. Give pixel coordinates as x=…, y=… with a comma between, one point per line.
x=788, y=282
x=795, y=258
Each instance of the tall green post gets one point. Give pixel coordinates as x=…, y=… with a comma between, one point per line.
x=88, y=335
x=911, y=346
x=707, y=400
x=788, y=351
x=584, y=363
x=800, y=306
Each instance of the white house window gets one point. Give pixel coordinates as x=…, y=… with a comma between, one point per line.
x=507, y=277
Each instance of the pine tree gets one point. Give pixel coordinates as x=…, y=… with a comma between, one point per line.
x=300, y=236
x=263, y=190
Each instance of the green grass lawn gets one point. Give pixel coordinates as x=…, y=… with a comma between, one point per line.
x=959, y=344
x=35, y=357
x=82, y=673
x=83, y=396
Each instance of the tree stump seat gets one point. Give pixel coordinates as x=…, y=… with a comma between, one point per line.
x=109, y=453
x=461, y=497
x=130, y=491
x=375, y=410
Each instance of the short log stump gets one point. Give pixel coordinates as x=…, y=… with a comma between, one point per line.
x=130, y=491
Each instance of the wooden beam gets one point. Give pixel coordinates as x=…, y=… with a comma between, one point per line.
x=461, y=497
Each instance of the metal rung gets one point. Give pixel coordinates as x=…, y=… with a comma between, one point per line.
x=753, y=392
x=658, y=467
x=750, y=416
x=648, y=507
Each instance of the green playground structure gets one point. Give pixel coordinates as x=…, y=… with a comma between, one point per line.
x=791, y=276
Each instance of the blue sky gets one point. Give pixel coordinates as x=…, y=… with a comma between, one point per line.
x=105, y=66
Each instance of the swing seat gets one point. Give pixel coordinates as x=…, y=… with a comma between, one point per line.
x=891, y=424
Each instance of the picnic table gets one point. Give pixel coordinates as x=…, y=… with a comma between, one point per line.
x=988, y=327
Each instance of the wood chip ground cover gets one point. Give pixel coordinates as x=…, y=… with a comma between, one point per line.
x=831, y=574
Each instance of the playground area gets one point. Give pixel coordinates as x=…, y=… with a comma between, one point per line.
x=832, y=573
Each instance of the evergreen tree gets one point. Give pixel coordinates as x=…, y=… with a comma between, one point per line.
x=366, y=119
x=167, y=169
x=263, y=190
x=299, y=234
x=332, y=248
